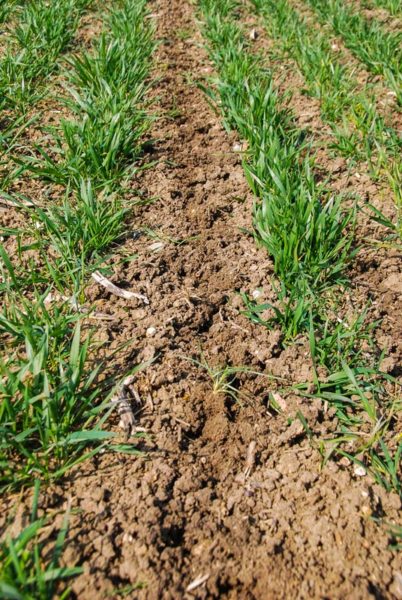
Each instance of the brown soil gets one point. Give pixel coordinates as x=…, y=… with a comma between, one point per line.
x=190, y=508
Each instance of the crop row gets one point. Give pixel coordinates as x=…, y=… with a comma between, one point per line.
x=393, y=6
x=42, y=32
x=93, y=151
x=359, y=131
x=310, y=239
x=50, y=414
x=378, y=49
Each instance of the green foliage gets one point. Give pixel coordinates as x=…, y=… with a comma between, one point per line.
x=393, y=6
x=302, y=227
x=366, y=400
x=26, y=572
x=48, y=389
x=380, y=50
x=359, y=131
x=72, y=238
x=43, y=31
x=107, y=93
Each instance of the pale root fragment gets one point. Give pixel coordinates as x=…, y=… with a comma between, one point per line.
x=113, y=289
x=197, y=582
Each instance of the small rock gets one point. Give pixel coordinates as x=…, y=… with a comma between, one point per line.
x=253, y=34
x=359, y=471
x=394, y=283
x=256, y=294
x=150, y=331
x=156, y=246
x=294, y=431
x=280, y=401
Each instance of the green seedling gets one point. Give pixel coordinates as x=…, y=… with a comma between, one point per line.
x=379, y=49
x=43, y=32
x=225, y=378
x=393, y=6
x=28, y=572
x=308, y=233
x=107, y=89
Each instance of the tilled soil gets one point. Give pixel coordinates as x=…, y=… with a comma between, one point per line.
x=230, y=500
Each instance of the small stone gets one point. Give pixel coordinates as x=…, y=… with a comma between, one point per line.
x=394, y=283
x=359, y=471
x=150, y=331
x=281, y=402
x=155, y=247
x=256, y=294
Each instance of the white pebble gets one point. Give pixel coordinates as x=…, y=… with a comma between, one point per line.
x=151, y=331
x=359, y=471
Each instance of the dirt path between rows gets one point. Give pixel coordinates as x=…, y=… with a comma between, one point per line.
x=191, y=509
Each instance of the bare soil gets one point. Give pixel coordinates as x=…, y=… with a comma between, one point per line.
x=197, y=505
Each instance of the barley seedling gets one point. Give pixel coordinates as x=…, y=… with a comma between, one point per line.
x=6, y=9
x=42, y=33
x=72, y=237
x=291, y=312
x=48, y=390
x=50, y=414
x=107, y=88
x=393, y=6
x=379, y=50
x=365, y=399
x=26, y=571
x=303, y=231
x=359, y=131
